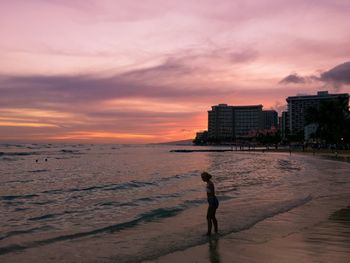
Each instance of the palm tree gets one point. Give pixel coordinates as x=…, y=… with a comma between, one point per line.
x=332, y=117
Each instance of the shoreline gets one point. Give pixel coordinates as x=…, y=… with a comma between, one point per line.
x=321, y=236
x=313, y=232
x=339, y=155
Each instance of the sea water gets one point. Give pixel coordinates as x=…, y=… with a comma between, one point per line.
x=128, y=203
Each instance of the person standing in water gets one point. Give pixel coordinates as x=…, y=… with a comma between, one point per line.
x=212, y=201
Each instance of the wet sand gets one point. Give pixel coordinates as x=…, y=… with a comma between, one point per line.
x=316, y=232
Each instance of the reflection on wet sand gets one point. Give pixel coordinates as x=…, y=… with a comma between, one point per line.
x=330, y=240
x=311, y=233
x=214, y=255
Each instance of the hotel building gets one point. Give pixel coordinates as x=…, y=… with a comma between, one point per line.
x=298, y=105
x=269, y=119
x=246, y=120
x=228, y=123
x=220, y=123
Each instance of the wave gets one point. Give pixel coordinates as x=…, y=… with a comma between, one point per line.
x=8, y=159
x=18, y=153
x=42, y=217
x=13, y=197
x=195, y=202
x=43, y=202
x=49, y=216
x=156, y=214
x=24, y=231
x=7, y=145
x=172, y=241
x=21, y=209
x=106, y=187
x=65, y=151
x=18, y=181
x=38, y=171
x=229, y=222
x=141, y=201
x=287, y=165
x=178, y=176
x=263, y=212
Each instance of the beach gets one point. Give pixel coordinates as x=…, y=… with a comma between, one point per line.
x=316, y=232
x=119, y=203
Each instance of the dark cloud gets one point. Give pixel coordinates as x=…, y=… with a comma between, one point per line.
x=335, y=77
x=293, y=78
x=231, y=55
x=170, y=68
x=190, y=63
x=243, y=56
x=89, y=88
x=338, y=75
x=172, y=79
x=85, y=95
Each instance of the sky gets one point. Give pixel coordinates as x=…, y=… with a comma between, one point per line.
x=114, y=71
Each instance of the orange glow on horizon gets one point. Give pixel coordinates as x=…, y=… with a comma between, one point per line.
x=26, y=124
x=86, y=135
x=148, y=105
x=31, y=112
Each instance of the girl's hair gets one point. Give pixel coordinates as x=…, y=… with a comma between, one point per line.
x=206, y=175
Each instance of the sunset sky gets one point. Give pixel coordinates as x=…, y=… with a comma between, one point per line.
x=148, y=71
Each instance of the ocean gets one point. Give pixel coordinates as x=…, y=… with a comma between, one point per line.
x=132, y=203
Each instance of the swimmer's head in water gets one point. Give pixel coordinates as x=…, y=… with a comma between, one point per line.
x=206, y=176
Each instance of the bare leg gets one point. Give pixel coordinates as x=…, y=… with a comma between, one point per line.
x=215, y=221
x=209, y=227
x=209, y=217
x=215, y=224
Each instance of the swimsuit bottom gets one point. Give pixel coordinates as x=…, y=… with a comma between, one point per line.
x=213, y=201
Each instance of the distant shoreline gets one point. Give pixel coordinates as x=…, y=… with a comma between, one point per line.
x=335, y=155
